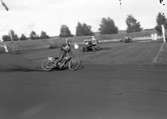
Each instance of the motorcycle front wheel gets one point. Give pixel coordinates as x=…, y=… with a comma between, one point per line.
x=46, y=65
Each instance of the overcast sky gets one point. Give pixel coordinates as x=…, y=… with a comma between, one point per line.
x=48, y=15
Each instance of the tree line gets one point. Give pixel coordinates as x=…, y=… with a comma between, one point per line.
x=12, y=36
x=107, y=26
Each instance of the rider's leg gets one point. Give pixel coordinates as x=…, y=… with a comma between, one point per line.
x=60, y=61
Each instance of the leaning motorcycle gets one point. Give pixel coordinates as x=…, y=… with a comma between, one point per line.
x=69, y=62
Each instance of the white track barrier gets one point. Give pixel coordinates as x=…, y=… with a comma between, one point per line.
x=5, y=47
x=155, y=60
x=163, y=33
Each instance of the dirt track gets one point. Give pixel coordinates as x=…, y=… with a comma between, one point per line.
x=99, y=91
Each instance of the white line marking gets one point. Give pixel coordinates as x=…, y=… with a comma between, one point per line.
x=155, y=60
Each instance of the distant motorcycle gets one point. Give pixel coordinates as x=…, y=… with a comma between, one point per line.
x=67, y=62
x=89, y=45
x=126, y=40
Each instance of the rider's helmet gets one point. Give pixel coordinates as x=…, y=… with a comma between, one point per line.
x=94, y=41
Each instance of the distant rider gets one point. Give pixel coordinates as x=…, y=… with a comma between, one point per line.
x=94, y=40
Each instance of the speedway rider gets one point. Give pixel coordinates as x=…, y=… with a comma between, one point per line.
x=65, y=51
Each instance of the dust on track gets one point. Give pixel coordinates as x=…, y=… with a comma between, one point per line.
x=14, y=62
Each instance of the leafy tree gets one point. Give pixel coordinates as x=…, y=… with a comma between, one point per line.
x=6, y=38
x=161, y=20
x=79, y=29
x=65, y=31
x=44, y=35
x=132, y=24
x=87, y=29
x=13, y=36
x=33, y=35
x=83, y=29
x=16, y=38
x=108, y=26
x=23, y=37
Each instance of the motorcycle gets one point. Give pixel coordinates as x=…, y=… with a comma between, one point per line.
x=89, y=45
x=67, y=62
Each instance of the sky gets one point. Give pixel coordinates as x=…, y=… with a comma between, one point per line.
x=48, y=15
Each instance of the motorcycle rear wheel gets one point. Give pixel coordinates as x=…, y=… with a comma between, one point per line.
x=74, y=64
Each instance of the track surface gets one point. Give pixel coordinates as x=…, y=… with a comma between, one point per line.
x=98, y=91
